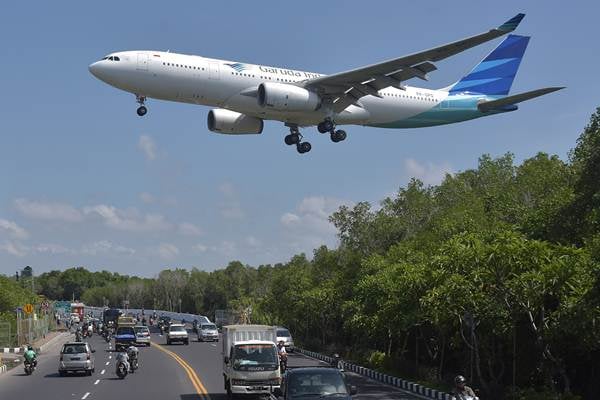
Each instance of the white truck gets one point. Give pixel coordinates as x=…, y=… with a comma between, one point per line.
x=250, y=360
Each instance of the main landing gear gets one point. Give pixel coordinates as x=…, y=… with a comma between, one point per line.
x=142, y=110
x=296, y=138
x=329, y=126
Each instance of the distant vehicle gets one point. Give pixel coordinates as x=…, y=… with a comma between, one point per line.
x=126, y=321
x=110, y=316
x=201, y=319
x=245, y=95
x=164, y=321
x=315, y=383
x=285, y=335
x=75, y=318
x=76, y=357
x=177, y=333
x=142, y=335
x=250, y=361
x=124, y=337
x=208, y=332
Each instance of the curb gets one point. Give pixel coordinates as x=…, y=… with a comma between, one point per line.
x=384, y=378
x=12, y=349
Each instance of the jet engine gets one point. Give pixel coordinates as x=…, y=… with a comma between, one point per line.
x=233, y=123
x=283, y=97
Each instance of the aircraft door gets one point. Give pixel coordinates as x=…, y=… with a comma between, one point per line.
x=213, y=72
x=142, y=61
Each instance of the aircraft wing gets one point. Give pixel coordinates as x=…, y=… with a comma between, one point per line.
x=346, y=88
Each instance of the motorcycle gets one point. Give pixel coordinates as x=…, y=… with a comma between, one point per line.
x=78, y=337
x=283, y=362
x=134, y=364
x=122, y=369
x=29, y=367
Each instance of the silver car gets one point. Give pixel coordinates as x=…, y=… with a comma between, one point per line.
x=208, y=332
x=76, y=357
x=284, y=335
x=142, y=335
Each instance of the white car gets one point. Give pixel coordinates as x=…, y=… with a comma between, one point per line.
x=177, y=333
x=208, y=332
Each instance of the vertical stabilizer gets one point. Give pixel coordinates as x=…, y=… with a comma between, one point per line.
x=494, y=75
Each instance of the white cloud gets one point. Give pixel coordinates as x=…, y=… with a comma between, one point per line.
x=232, y=211
x=253, y=242
x=227, y=189
x=289, y=219
x=168, y=251
x=48, y=211
x=146, y=198
x=189, y=229
x=52, y=248
x=14, y=249
x=226, y=248
x=201, y=248
x=148, y=147
x=430, y=173
x=128, y=220
x=105, y=246
x=14, y=230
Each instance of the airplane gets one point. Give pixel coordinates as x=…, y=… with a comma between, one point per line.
x=245, y=94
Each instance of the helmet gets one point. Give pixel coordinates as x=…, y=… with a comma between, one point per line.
x=29, y=347
x=460, y=380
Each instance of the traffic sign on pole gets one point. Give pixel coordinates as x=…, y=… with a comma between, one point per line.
x=28, y=309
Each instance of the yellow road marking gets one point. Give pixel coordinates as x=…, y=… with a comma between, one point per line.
x=200, y=389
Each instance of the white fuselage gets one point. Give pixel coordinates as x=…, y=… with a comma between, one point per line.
x=231, y=85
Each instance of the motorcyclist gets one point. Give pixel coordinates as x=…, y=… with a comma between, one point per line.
x=78, y=334
x=132, y=354
x=461, y=390
x=30, y=356
x=90, y=330
x=282, y=353
x=122, y=357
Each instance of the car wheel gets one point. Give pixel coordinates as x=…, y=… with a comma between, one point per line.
x=88, y=372
x=62, y=373
x=168, y=342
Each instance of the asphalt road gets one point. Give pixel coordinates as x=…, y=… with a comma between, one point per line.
x=179, y=372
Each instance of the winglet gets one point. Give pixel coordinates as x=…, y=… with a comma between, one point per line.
x=512, y=23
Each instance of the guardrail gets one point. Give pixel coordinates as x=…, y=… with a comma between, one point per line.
x=384, y=378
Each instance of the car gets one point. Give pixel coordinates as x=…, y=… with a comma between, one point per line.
x=76, y=357
x=285, y=335
x=208, y=332
x=142, y=335
x=314, y=383
x=177, y=333
x=124, y=337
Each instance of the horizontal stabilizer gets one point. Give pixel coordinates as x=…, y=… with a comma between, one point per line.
x=517, y=98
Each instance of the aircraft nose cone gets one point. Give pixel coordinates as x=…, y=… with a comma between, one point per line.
x=95, y=69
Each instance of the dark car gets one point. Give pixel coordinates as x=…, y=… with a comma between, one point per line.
x=314, y=383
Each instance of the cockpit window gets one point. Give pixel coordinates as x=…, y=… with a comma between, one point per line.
x=117, y=58
x=111, y=58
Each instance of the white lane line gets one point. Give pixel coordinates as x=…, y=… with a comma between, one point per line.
x=103, y=371
x=213, y=345
x=85, y=396
x=109, y=357
x=97, y=382
x=108, y=362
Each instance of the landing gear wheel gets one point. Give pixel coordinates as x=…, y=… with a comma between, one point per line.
x=303, y=147
x=338, y=136
x=292, y=138
x=141, y=111
x=321, y=128
x=327, y=125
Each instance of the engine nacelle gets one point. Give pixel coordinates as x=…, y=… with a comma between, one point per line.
x=282, y=97
x=233, y=123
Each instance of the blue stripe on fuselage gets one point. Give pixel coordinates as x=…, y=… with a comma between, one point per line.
x=455, y=108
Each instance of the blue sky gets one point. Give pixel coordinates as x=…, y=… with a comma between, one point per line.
x=86, y=182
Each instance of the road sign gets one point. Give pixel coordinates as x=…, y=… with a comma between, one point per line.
x=28, y=308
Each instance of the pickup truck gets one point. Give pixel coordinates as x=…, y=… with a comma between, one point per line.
x=124, y=337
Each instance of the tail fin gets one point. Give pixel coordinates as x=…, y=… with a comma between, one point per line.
x=494, y=75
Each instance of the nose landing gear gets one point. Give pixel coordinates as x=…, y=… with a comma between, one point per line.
x=142, y=110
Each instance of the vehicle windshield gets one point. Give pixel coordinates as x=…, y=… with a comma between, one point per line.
x=209, y=326
x=255, y=357
x=177, y=329
x=139, y=329
x=283, y=333
x=315, y=384
x=125, y=330
x=74, y=349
